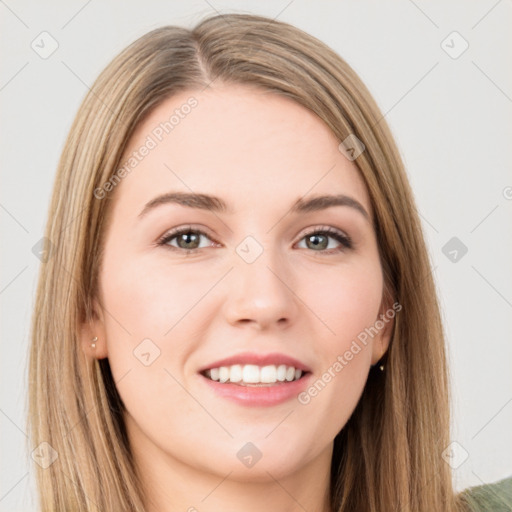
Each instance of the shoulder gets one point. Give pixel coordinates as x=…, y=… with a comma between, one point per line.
x=493, y=497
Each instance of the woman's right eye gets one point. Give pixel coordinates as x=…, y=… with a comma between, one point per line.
x=186, y=239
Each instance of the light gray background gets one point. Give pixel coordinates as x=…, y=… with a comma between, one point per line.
x=450, y=117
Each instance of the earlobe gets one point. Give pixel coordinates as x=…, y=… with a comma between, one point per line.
x=93, y=335
x=379, y=350
x=385, y=323
x=98, y=349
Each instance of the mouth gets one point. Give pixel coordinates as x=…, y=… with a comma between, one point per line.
x=256, y=379
x=252, y=375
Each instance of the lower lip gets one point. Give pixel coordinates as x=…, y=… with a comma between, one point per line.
x=259, y=395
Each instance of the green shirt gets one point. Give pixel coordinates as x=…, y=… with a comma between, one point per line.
x=494, y=497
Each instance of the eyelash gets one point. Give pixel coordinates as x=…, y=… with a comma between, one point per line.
x=344, y=240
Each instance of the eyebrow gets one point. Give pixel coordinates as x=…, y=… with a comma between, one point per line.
x=216, y=204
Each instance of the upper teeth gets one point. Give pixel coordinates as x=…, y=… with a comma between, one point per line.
x=253, y=374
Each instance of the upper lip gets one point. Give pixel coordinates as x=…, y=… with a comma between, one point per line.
x=258, y=359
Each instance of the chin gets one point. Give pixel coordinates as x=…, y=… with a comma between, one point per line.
x=260, y=462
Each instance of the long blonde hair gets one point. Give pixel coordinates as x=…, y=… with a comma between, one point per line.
x=389, y=454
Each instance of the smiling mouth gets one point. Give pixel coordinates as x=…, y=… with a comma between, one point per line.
x=254, y=375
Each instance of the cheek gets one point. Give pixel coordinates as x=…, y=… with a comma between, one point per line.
x=146, y=309
x=151, y=299
x=346, y=300
x=347, y=303
x=152, y=312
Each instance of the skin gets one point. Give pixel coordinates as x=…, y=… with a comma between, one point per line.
x=259, y=152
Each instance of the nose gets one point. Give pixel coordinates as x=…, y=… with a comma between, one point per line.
x=261, y=293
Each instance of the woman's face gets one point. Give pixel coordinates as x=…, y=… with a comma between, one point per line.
x=255, y=287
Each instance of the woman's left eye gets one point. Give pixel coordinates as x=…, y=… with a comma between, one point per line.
x=320, y=239
x=189, y=240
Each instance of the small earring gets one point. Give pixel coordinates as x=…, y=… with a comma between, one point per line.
x=381, y=366
x=93, y=344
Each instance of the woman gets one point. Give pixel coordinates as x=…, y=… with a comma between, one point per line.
x=246, y=314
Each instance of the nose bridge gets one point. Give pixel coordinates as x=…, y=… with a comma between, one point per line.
x=260, y=289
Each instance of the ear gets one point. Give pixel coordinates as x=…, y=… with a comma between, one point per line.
x=94, y=327
x=384, y=322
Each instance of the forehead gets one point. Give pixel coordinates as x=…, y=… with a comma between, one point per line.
x=242, y=143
